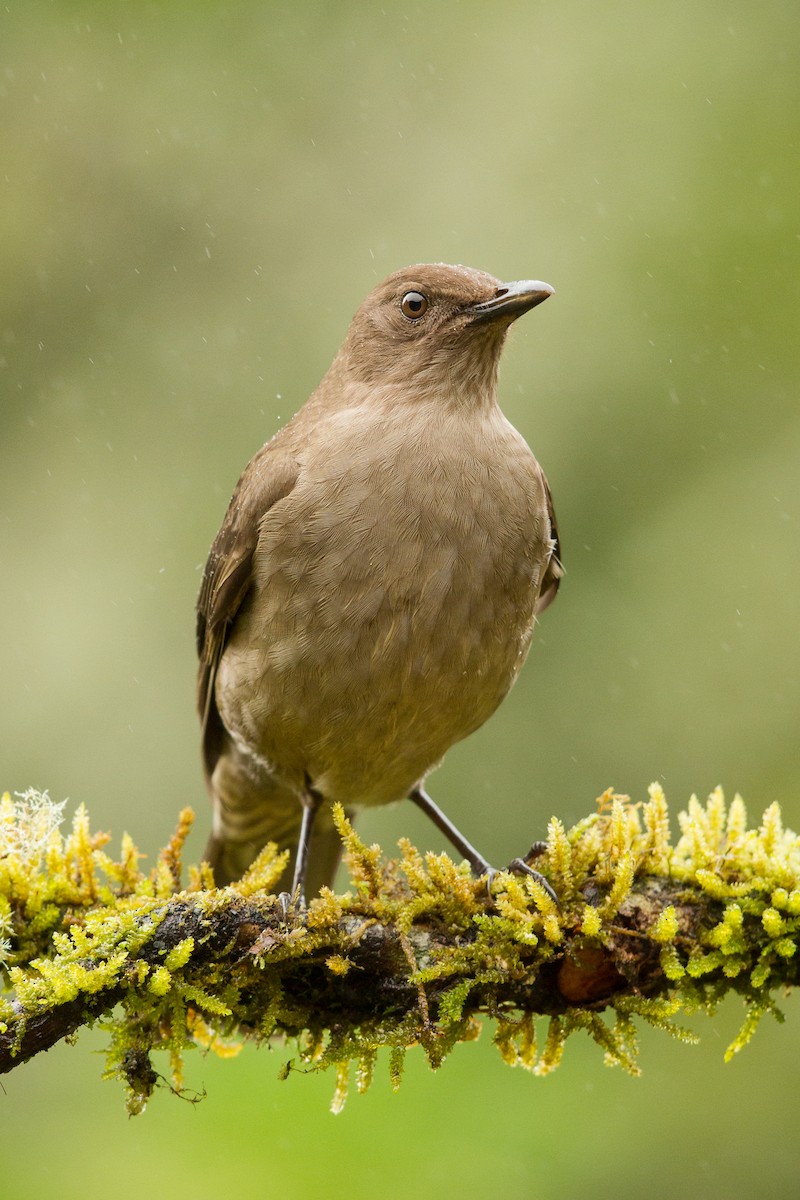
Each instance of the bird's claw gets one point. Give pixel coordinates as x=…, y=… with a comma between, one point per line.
x=291, y=904
x=519, y=866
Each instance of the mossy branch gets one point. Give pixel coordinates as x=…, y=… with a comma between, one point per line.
x=417, y=952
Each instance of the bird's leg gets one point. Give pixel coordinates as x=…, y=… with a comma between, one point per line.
x=311, y=802
x=480, y=866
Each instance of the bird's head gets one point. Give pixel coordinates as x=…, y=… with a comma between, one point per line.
x=436, y=325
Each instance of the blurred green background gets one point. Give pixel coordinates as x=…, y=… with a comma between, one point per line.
x=195, y=198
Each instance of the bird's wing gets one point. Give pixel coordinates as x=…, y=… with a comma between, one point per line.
x=554, y=570
x=269, y=477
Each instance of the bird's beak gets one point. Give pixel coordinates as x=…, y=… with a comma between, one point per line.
x=511, y=300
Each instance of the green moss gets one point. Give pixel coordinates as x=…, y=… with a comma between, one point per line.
x=644, y=930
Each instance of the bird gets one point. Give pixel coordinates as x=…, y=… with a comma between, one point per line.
x=371, y=595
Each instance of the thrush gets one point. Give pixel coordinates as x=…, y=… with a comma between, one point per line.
x=372, y=593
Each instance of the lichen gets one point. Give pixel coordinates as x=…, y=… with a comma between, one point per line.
x=417, y=952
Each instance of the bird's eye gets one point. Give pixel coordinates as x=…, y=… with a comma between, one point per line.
x=414, y=305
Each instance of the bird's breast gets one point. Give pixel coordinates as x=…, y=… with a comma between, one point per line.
x=392, y=606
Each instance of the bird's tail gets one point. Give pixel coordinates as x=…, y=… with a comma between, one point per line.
x=251, y=808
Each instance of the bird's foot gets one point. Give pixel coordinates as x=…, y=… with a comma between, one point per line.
x=292, y=904
x=520, y=866
x=480, y=867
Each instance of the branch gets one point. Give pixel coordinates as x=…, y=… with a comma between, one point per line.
x=417, y=952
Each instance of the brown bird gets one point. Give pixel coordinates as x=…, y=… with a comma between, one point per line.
x=371, y=595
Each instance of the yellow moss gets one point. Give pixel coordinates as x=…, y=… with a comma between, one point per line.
x=591, y=923
x=751, y=1022
x=515, y=1038
x=201, y=878
x=337, y=964
x=623, y=877
x=671, y=964
x=264, y=872
x=621, y=827
x=586, y=843
x=656, y=822
x=451, y=1003
x=365, y=1070
x=79, y=849
x=665, y=926
x=771, y=830
x=203, y=998
x=342, y=1087
x=160, y=981
x=49, y=983
x=206, y=1037
x=73, y=921
x=719, y=888
x=169, y=860
x=325, y=910
x=773, y=922
x=736, y=824
x=526, y=1042
x=397, y=1061
x=557, y=1033
x=658, y=1011
x=559, y=857
x=551, y=927
x=179, y=955
x=364, y=862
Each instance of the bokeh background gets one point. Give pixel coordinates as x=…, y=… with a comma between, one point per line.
x=195, y=198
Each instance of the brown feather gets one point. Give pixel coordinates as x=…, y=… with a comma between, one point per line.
x=371, y=595
x=228, y=575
